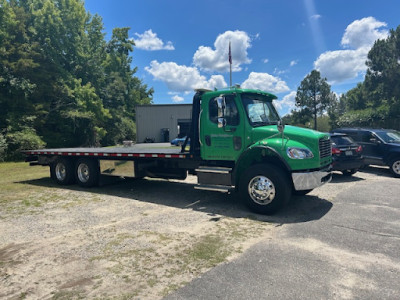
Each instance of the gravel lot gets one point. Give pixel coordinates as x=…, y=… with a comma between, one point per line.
x=133, y=239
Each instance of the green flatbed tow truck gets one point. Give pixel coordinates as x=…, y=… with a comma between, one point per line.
x=236, y=143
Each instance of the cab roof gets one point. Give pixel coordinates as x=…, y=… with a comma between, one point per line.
x=238, y=90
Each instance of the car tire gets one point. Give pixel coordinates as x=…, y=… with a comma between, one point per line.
x=395, y=167
x=263, y=188
x=349, y=172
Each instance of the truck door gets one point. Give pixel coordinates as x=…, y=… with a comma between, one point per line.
x=221, y=143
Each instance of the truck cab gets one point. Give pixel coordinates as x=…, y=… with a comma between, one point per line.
x=241, y=135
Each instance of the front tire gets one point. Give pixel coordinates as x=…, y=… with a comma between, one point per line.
x=395, y=167
x=87, y=172
x=264, y=188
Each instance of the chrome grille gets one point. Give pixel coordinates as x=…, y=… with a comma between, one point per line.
x=325, y=147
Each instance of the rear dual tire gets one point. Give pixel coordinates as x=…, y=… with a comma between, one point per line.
x=62, y=171
x=85, y=172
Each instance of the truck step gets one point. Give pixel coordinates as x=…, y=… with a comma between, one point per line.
x=215, y=188
x=218, y=170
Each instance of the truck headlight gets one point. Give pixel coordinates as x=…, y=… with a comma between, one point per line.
x=299, y=153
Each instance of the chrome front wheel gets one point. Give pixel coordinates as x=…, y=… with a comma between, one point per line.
x=261, y=190
x=265, y=188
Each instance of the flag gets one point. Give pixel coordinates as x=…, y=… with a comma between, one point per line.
x=230, y=54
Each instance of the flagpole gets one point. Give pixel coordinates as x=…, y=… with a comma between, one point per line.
x=230, y=65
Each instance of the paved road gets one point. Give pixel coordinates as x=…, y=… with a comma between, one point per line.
x=351, y=252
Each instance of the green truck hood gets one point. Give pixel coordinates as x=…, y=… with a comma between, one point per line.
x=301, y=135
x=293, y=137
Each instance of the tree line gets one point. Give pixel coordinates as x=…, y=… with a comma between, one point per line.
x=61, y=83
x=375, y=102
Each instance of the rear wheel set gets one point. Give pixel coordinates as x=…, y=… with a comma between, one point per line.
x=85, y=172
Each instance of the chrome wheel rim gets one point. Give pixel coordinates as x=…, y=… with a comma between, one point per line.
x=396, y=167
x=261, y=190
x=61, y=172
x=83, y=173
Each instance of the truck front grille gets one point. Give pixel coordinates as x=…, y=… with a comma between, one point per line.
x=325, y=147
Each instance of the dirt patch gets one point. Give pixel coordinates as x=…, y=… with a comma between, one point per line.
x=137, y=239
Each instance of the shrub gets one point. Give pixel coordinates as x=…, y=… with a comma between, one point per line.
x=3, y=147
x=22, y=140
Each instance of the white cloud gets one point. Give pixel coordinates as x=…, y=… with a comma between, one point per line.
x=182, y=78
x=216, y=59
x=293, y=63
x=266, y=60
x=265, y=82
x=363, y=33
x=340, y=65
x=177, y=99
x=286, y=104
x=315, y=17
x=149, y=41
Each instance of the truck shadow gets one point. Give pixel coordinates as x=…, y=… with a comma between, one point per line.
x=183, y=195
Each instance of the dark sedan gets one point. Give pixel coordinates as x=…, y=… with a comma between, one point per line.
x=346, y=154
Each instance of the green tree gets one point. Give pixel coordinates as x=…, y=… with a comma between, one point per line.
x=376, y=101
x=123, y=90
x=313, y=95
x=61, y=83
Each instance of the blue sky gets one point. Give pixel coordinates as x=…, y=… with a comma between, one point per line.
x=183, y=44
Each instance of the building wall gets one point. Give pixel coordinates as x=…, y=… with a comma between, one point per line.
x=151, y=119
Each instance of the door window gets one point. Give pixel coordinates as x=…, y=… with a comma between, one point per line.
x=231, y=111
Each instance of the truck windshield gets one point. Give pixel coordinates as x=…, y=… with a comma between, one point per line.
x=260, y=110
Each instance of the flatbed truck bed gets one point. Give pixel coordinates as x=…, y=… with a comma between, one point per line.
x=158, y=150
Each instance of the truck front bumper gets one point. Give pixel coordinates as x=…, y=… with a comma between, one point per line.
x=311, y=180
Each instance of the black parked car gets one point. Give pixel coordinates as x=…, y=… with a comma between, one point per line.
x=346, y=154
x=380, y=146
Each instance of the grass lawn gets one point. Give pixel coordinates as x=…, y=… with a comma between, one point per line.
x=15, y=193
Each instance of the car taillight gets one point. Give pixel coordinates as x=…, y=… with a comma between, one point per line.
x=335, y=150
x=359, y=149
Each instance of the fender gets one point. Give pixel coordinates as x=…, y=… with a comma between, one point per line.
x=258, y=154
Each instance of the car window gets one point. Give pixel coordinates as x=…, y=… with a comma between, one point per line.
x=342, y=140
x=366, y=137
x=389, y=136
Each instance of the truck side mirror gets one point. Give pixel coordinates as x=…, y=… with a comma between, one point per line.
x=221, y=111
x=280, y=126
x=221, y=122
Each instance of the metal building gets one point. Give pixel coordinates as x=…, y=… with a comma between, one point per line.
x=162, y=122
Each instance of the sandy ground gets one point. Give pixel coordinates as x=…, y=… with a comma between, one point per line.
x=137, y=239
